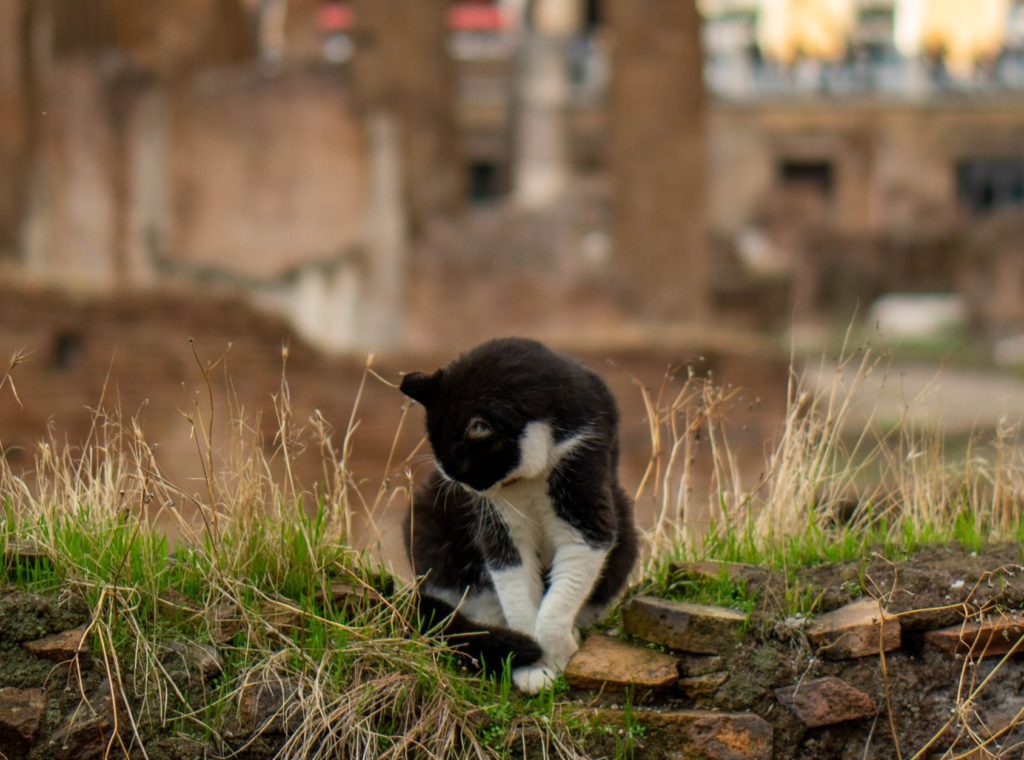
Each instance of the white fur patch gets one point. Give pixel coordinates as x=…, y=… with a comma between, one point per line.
x=543, y=540
x=535, y=446
x=538, y=453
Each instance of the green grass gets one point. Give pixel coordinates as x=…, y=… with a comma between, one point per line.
x=121, y=569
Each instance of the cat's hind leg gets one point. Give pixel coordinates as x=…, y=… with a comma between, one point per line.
x=481, y=605
x=488, y=646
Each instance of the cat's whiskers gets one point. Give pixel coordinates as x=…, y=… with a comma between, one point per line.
x=512, y=508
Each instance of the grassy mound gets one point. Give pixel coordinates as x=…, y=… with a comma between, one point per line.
x=314, y=645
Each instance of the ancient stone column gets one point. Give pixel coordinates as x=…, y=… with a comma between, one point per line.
x=14, y=119
x=387, y=235
x=657, y=154
x=402, y=67
x=542, y=153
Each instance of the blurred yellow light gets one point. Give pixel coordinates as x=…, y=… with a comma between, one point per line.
x=815, y=28
x=963, y=30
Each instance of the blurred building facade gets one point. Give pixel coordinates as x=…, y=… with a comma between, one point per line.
x=846, y=141
x=863, y=145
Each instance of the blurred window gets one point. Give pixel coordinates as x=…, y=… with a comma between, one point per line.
x=67, y=350
x=484, y=181
x=813, y=175
x=593, y=15
x=988, y=184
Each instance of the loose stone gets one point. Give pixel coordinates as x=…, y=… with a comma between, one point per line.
x=60, y=646
x=607, y=663
x=826, y=701
x=21, y=713
x=702, y=686
x=994, y=635
x=88, y=730
x=689, y=734
x=686, y=627
x=17, y=552
x=856, y=630
x=175, y=607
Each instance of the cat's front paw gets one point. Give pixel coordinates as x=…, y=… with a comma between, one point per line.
x=559, y=646
x=534, y=678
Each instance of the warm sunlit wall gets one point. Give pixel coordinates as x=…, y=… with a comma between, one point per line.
x=966, y=30
x=816, y=28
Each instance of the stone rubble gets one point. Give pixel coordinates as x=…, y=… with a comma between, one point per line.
x=21, y=713
x=991, y=636
x=16, y=552
x=691, y=734
x=176, y=608
x=856, y=630
x=282, y=615
x=686, y=627
x=700, y=640
x=87, y=731
x=826, y=701
x=61, y=647
x=261, y=706
x=713, y=570
x=702, y=686
x=606, y=663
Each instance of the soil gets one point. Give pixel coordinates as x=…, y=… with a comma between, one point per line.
x=26, y=617
x=916, y=691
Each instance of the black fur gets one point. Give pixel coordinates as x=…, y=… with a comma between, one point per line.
x=453, y=536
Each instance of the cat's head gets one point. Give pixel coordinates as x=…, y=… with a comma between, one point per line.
x=488, y=417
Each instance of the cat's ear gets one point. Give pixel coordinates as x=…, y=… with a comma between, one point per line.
x=421, y=387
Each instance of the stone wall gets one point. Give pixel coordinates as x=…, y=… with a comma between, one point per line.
x=264, y=174
x=253, y=175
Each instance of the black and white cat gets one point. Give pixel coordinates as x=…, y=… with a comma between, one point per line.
x=523, y=527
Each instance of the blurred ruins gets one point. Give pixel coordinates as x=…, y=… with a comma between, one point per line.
x=653, y=181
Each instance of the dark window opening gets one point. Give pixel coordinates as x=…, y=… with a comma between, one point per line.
x=67, y=350
x=484, y=181
x=593, y=15
x=812, y=175
x=988, y=184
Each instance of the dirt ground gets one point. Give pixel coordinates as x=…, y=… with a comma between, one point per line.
x=918, y=689
x=921, y=692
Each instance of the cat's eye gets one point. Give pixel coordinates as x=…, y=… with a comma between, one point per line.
x=477, y=429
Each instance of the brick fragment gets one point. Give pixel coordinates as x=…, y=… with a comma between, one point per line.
x=21, y=714
x=826, y=701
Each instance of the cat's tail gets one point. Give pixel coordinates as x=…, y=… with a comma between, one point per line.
x=489, y=646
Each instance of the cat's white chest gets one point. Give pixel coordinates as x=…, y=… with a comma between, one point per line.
x=524, y=502
x=530, y=518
